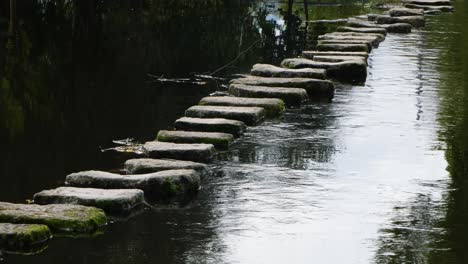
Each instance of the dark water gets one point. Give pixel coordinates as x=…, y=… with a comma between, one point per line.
x=377, y=176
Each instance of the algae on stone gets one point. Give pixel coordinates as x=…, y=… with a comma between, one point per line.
x=22, y=236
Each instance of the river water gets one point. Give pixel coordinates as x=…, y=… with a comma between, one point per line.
x=376, y=176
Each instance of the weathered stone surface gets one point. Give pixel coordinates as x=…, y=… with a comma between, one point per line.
x=221, y=141
x=391, y=28
x=142, y=166
x=349, y=71
x=158, y=185
x=429, y=2
x=314, y=87
x=58, y=217
x=267, y=70
x=343, y=47
x=433, y=12
x=371, y=17
x=251, y=116
x=415, y=21
x=192, y=152
x=401, y=11
x=309, y=54
x=111, y=201
x=377, y=30
x=291, y=96
x=374, y=38
x=432, y=8
x=273, y=106
x=344, y=41
x=233, y=127
x=339, y=58
x=21, y=236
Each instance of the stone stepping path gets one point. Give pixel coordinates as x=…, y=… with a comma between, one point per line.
x=142, y=166
x=191, y=152
x=391, y=28
x=115, y=202
x=378, y=30
x=291, y=96
x=19, y=237
x=402, y=12
x=310, y=54
x=267, y=70
x=429, y=2
x=251, y=116
x=273, y=106
x=415, y=21
x=229, y=126
x=221, y=141
x=430, y=8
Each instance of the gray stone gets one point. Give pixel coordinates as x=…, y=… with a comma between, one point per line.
x=431, y=8
x=21, y=236
x=433, y=12
x=372, y=38
x=309, y=54
x=273, y=106
x=157, y=185
x=343, y=47
x=221, y=141
x=314, y=87
x=371, y=17
x=267, y=70
x=111, y=201
x=346, y=41
x=291, y=96
x=377, y=30
x=58, y=217
x=348, y=71
x=401, y=11
x=142, y=166
x=339, y=58
x=391, y=28
x=429, y=2
x=251, y=116
x=415, y=21
x=192, y=152
x=234, y=127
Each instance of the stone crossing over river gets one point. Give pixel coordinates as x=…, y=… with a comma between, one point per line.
x=173, y=165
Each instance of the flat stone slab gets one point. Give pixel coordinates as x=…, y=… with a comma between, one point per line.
x=157, y=185
x=111, y=201
x=192, y=152
x=314, y=87
x=251, y=116
x=343, y=47
x=267, y=70
x=22, y=236
x=372, y=38
x=221, y=141
x=391, y=28
x=58, y=217
x=376, y=30
x=310, y=54
x=229, y=126
x=402, y=11
x=429, y=2
x=143, y=166
x=346, y=41
x=348, y=71
x=431, y=8
x=415, y=21
x=273, y=106
x=291, y=96
x=339, y=58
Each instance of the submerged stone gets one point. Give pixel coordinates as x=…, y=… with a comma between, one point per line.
x=429, y=2
x=266, y=70
x=415, y=21
x=58, y=217
x=401, y=11
x=142, y=166
x=192, y=152
x=291, y=96
x=347, y=71
x=314, y=87
x=158, y=185
x=111, y=201
x=233, y=127
x=343, y=47
x=273, y=106
x=377, y=30
x=221, y=141
x=309, y=54
x=15, y=237
x=431, y=8
x=251, y=116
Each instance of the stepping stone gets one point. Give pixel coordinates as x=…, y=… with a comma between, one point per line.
x=291, y=96
x=221, y=141
x=429, y=2
x=309, y=54
x=251, y=116
x=391, y=28
x=192, y=152
x=344, y=41
x=58, y=217
x=377, y=30
x=15, y=237
x=233, y=127
x=343, y=47
x=401, y=12
x=314, y=87
x=373, y=38
x=142, y=166
x=415, y=21
x=266, y=70
x=339, y=58
x=157, y=185
x=111, y=201
x=431, y=8
x=273, y=106
x=348, y=71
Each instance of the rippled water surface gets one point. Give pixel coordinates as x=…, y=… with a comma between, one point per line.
x=376, y=176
